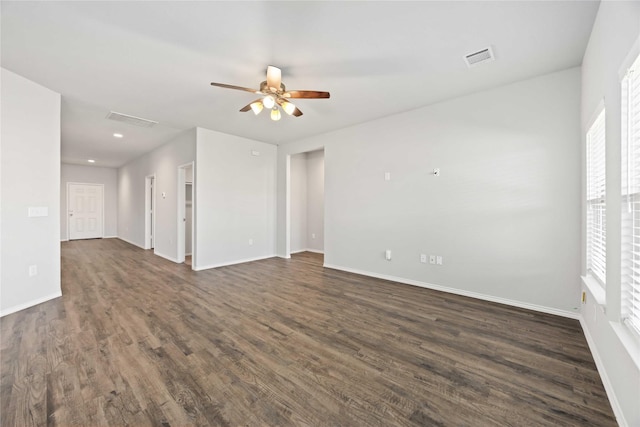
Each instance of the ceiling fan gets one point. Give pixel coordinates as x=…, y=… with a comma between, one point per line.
x=274, y=95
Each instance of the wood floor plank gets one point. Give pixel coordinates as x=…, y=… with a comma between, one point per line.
x=138, y=340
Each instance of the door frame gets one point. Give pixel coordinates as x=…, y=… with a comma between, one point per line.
x=181, y=212
x=150, y=208
x=287, y=212
x=69, y=184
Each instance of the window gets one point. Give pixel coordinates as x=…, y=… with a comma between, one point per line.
x=596, y=212
x=631, y=196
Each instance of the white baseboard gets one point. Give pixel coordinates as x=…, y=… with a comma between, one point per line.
x=224, y=264
x=315, y=251
x=606, y=382
x=130, y=242
x=166, y=257
x=30, y=303
x=283, y=256
x=189, y=254
x=514, y=303
x=104, y=237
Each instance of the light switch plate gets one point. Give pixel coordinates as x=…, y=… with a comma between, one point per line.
x=38, y=211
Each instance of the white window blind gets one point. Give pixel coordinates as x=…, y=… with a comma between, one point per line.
x=596, y=212
x=631, y=196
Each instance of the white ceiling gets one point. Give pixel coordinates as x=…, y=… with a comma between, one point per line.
x=156, y=60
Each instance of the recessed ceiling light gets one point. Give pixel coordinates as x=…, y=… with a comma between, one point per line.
x=118, y=135
x=91, y=161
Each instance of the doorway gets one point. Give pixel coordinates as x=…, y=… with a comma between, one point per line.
x=188, y=224
x=185, y=236
x=85, y=211
x=305, y=202
x=149, y=208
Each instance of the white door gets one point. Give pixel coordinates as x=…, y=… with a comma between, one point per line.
x=188, y=219
x=85, y=211
x=149, y=206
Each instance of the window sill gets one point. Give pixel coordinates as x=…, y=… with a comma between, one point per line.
x=596, y=290
x=629, y=340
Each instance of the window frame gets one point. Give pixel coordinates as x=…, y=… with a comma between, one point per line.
x=595, y=200
x=630, y=192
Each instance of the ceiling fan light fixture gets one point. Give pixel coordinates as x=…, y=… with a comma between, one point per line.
x=275, y=95
x=268, y=101
x=288, y=107
x=257, y=107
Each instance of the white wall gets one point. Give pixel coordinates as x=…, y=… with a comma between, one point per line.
x=163, y=162
x=504, y=214
x=91, y=175
x=30, y=177
x=617, y=351
x=235, y=199
x=315, y=200
x=298, y=189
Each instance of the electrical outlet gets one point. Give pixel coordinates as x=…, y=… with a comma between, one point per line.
x=432, y=259
x=250, y=242
x=313, y=235
x=439, y=260
x=33, y=270
x=423, y=258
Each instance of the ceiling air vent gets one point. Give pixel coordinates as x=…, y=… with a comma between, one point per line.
x=132, y=120
x=475, y=58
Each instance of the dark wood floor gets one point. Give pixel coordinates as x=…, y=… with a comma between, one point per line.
x=138, y=340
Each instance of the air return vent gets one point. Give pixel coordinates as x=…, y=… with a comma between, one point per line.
x=132, y=120
x=475, y=58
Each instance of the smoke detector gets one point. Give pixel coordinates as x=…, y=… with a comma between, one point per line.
x=479, y=57
x=132, y=120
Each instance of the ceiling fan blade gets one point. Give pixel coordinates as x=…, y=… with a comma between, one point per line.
x=246, y=89
x=296, y=112
x=274, y=77
x=309, y=94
